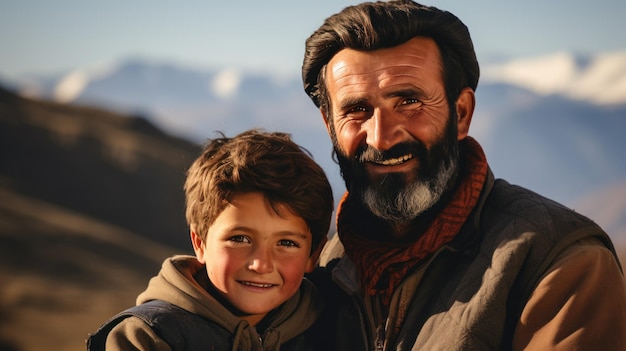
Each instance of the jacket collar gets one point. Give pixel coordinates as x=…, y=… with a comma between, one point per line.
x=466, y=242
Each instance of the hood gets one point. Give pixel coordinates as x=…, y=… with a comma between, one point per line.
x=183, y=281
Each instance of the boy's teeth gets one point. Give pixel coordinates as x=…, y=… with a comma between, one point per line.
x=257, y=285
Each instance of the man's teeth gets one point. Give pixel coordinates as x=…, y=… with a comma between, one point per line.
x=395, y=161
x=257, y=284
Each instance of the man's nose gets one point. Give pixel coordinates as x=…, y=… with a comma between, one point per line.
x=384, y=129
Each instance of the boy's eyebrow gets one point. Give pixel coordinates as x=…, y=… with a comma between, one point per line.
x=243, y=228
x=298, y=234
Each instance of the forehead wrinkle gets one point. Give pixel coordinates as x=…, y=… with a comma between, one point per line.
x=351, y=75
x=362, y=80
x=350, y=85
x=410, y=78
x=337, y=71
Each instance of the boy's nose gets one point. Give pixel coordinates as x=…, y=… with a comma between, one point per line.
x=261, y=262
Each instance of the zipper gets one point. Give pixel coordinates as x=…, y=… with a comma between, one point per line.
x=373, y=322
x=379, y=343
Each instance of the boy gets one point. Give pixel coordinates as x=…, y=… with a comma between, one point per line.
x=259, y=209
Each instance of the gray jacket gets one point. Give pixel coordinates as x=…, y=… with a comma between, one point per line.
x=482, y=290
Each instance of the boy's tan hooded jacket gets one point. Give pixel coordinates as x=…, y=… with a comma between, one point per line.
x=183, y=282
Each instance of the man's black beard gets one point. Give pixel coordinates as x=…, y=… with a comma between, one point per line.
x=401, y=197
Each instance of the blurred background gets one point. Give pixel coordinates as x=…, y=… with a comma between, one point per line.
x=104, y=105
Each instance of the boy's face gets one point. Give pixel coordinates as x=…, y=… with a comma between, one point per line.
x=255, y=258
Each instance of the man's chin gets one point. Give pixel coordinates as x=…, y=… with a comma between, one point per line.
x=389, y=184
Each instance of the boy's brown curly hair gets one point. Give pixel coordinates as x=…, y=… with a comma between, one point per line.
x=258, y=161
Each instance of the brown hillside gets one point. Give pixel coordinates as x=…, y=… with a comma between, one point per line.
x=91, y=202
x=116, y=168
x=63, y=274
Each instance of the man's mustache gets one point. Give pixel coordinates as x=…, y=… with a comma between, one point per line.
x=369, y=154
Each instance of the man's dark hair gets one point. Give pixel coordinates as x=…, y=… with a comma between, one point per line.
x=378, y=25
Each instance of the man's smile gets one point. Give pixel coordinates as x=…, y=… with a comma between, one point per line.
x=394, y=161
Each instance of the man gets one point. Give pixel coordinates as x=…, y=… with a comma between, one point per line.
x=440, y=255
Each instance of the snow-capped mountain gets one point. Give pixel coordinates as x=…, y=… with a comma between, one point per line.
x=600, y=79
x=553, y=124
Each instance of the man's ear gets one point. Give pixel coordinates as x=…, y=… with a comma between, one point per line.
x=198, y=245
x=312, y=262
x=464, y=111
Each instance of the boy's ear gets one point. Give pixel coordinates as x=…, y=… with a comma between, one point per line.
x=312, y=262
x=198, y=245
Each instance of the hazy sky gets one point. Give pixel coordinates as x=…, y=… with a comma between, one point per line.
x=44, y=36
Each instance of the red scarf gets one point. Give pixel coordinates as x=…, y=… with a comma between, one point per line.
x=383, y=265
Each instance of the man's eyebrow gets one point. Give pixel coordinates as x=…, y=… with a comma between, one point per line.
x=349, y=102
x=406, y=92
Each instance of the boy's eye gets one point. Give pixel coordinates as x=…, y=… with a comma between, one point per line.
x=239, y=239
x=288, y=243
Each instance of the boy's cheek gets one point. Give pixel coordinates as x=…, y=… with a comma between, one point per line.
x=293, y=272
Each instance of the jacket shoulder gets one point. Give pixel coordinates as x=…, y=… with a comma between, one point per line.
x=541, y=229
x=179, y=328
x=511, y=212
x=531, y=211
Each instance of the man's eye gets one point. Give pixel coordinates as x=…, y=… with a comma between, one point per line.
x=239, y=239
x=357, y=109
x=357, y=112
x=288, y=243
x=411, y=101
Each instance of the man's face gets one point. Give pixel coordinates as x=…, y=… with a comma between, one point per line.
x=393, y=131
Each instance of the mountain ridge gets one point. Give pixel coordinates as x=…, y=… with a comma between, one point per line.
x=599, y=78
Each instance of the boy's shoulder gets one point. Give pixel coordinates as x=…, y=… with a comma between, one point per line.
x=179, y=328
